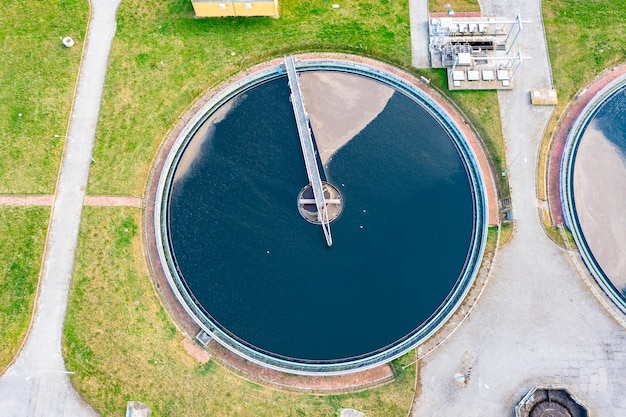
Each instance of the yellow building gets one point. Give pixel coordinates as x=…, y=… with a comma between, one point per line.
x=220, y=8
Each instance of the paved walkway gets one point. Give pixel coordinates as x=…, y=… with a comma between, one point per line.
x=37, y=383
x=26, y=200
x=537, y=322
x=418, y=10
x=90, y=200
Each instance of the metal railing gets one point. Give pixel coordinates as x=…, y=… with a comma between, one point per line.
x=308, y=150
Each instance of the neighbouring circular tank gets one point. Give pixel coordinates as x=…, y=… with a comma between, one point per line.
x=408, y=235
x=594, y=196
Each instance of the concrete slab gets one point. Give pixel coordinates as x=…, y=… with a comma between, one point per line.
x=418, y=10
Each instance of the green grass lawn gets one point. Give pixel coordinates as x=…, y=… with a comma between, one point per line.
x=584, y=39
x=22, y=240
x=121, y=345
x=163, y=58
x=37, y=79
x=506, y=232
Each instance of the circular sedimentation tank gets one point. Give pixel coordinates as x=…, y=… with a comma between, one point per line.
x=408, y=218
x=593, y=195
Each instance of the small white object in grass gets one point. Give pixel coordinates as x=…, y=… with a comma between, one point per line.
x=335, y=6
x=233, y=53
x=19, y=115
x=68, y=42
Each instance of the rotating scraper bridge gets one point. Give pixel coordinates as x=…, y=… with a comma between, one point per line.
x=308, y=150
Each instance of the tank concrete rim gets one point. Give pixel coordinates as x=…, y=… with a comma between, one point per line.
x=566, y=187
x=346, y=365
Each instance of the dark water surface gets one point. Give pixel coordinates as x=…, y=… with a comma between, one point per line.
x=265, y=275
x=611, y=120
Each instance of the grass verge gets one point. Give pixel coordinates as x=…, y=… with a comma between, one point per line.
x=492, y=238
x=582, y=42
x=163, y=58
x=22, y=241
x=506, y=233
x=122, y=346
x=36, y=88
x=561, y=236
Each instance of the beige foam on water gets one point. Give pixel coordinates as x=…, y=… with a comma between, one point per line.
x=600, y=196
x=339, y=106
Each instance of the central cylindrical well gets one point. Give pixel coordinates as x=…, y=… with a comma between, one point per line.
x=308, y=208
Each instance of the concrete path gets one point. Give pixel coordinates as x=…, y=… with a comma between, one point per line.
x=26, y=200
x=90, y=200
x=37, y=383
x=419, y=33
x=537, y=322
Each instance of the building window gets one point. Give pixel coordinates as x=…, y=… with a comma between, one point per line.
x=222, y=5
x=248, y=5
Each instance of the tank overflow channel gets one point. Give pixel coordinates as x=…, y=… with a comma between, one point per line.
x=326, y=204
